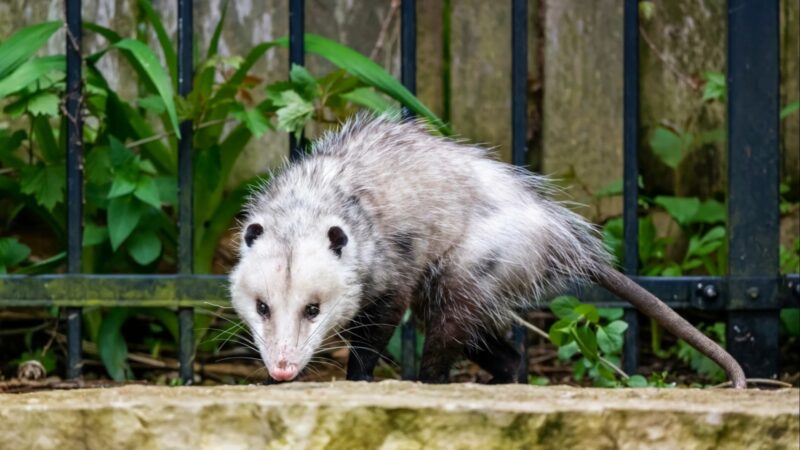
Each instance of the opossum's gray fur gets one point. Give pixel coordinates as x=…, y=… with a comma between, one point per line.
x=422, y=205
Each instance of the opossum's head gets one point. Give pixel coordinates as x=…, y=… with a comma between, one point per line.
x=294, y=292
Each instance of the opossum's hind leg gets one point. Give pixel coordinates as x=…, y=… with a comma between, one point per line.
x=369, y=333
x=495, y=355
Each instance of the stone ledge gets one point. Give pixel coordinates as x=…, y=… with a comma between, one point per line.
x=399, y=415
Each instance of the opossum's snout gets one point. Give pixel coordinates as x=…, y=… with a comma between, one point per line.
x=283, y=370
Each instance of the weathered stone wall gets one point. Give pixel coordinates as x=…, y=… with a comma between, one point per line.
x=400, y=415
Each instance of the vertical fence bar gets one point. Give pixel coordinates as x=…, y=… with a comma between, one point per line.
x=753, y=174
x=630, y=169
x=519, y=128
x=297, y=51
x=74, y=176
x=185, y=199
x=408, y=75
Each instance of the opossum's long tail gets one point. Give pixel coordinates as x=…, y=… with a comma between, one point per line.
x=650, y=305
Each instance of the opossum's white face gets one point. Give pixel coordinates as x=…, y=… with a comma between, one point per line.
x=293, y=295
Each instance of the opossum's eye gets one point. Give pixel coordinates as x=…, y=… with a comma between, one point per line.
x=252, y=232
x=312, y=310
x=263, y=309
x=338, y=240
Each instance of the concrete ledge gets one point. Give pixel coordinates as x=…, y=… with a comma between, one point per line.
x=399, y=415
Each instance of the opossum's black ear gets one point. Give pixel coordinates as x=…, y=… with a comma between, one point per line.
x=338, y=240
x=252, y=232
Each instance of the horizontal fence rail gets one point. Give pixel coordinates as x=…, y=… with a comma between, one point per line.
x=750, y=297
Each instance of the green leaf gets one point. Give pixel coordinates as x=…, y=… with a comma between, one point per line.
x=789, y=109
x=43, y=104
x=29, y=72
x=586, y=341
x=616, y=328
x=167, y=189
x=609, y=343
x=254, y=120
x=111, y=344
x=369, y=72
x=589, y=312
x=152, y=68
x=46, y=183
x=122, y=185
x=144, y=247
x=214, y=44
x=43, y=133
x=94, y=234
x=564, y=307
x=123, y=216
x=12, y=252
x=147, y=191
x=163, y=38
x=611, y=313
x=23, y=44
x=120, y=155
x=303, y=82
x=710, y=211
x=636, y=381
x=559, y=332
x=682, y=209
x=790, y=318
x=152, y=103
x=98, y=166
x=667, y=145
x=567, y=351
x=370, y=99
x=715, y=86
x=294, y=113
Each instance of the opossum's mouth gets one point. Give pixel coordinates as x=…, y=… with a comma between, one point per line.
x=283, y=371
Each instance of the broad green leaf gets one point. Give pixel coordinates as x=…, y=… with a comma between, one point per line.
x=369, y=72
x=12, y=252
x=304, y=83
x=559, y=332
x=611, y=313
x=715, y=86
x=710, y=211
x=609, y=343
x=254, y=120
x=42, y=103
x=94, y=234
x=163, y=38
x=122, y=185
x=46, y=183
x=564, y=307
x=111, y=344
x=616, y=327
x=144, y=247
x=152, y=68
x=667, y=145
x=370, y=99
x=17, y=49
x=120, y=155
x=587, y=343
x=636, y=381
x=682, y=209
x=294, y=113
x=567, y=351
x=43, y=134
x=167, y=189
x=589, y=312
x=152, y=103
x=790, y=318
x=98, y=165
x=790, y=109
x=30, y=72
x=147, y=191
x=124, y=214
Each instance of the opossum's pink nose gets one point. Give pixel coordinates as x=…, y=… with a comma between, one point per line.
x=283, y=371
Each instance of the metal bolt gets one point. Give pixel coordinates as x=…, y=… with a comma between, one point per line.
x=753, y=292
x=710, y=292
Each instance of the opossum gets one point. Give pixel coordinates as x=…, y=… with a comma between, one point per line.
x=383, y=216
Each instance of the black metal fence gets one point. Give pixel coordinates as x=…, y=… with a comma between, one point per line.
x=750, y=297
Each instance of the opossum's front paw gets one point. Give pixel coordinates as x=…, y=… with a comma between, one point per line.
x=359, y=377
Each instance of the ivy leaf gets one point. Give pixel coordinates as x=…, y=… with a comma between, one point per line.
x=94, y=234
x=123, y=216
x=147, y=191
x=144, y=247
x=12, y=252
x=46, y=183
x=564, y=307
